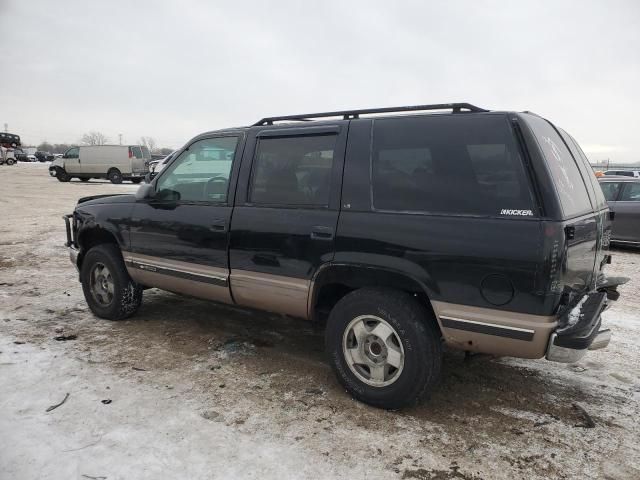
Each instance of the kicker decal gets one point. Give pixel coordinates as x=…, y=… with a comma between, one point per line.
x=520, y=213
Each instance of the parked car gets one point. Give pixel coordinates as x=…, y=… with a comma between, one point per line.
x=44, y=156
x=20, y=155
x=623, y=197
x=483, y=231
x=114, y=162
x=31, y=157
x=155, y=166
x=623, y=173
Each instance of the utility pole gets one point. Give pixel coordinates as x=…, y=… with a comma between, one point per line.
x=120, y=137
x=6, y=128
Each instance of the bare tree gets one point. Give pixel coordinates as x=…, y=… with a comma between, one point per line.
x=94, y=138
x=148, y=142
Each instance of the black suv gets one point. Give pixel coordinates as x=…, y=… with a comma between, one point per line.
x=401, y=229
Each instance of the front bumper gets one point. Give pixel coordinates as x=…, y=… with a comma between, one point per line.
x=73, y=256
x=71, y=241
x=570, y=342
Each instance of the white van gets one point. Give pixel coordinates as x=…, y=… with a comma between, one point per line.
x=115, y=162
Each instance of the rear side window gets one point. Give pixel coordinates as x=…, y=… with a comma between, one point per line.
x=293, y=170
x=630, y=192
x=610, y=190
x=586, y=169
x=458, y=164
x=568, y=182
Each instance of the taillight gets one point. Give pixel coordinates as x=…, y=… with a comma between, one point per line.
x=130, y=153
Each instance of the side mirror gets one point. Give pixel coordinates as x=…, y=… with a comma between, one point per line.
x=144, y=191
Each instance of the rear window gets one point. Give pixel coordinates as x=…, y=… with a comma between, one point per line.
x=458, y=164
x=569, y=184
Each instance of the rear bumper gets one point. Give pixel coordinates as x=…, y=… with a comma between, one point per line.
x=580, y=330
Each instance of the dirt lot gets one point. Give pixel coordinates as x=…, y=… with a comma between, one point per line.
x=203, y=391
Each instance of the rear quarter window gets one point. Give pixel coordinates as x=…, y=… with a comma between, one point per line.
x=457, y=164
x=600, y=201
x=568, y=181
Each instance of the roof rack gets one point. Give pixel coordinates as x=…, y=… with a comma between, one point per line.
x=349, y=114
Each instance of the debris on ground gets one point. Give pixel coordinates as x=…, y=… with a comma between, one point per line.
x=64, y=338
x=53, y=407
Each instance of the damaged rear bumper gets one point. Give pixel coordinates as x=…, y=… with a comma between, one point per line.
x=570, y=342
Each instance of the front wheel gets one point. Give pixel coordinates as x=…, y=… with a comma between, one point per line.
x=384, y=347
x=62, y=175
x=108, y=289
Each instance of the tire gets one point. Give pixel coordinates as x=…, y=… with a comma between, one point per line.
x=62, y=175
x=136, y=180
x=414, y=344
x=114, y=176
x=107, y=287
x=10, y=161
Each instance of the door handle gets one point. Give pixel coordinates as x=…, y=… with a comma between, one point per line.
x=219, y=226
x=320, y=232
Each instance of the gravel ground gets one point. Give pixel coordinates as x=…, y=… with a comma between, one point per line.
x=189, y=389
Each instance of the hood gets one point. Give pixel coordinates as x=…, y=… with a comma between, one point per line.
x=102, y=199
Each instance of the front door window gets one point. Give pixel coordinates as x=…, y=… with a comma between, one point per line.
x=201, y=173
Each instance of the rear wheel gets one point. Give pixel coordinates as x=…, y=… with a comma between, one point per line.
x=107, y=287
x=10, y=161
x=114, y=176
x=384, y=347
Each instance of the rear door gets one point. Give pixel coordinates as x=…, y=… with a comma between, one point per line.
x=286, y=213
x=579, y=221
x=627, y=219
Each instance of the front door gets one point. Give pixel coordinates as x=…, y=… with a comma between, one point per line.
x=286, y=213
x=71, y=160
x=179, y=236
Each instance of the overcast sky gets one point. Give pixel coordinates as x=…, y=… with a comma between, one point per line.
x=171, y=70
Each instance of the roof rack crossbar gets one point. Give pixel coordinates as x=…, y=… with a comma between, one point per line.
x=350, y=114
